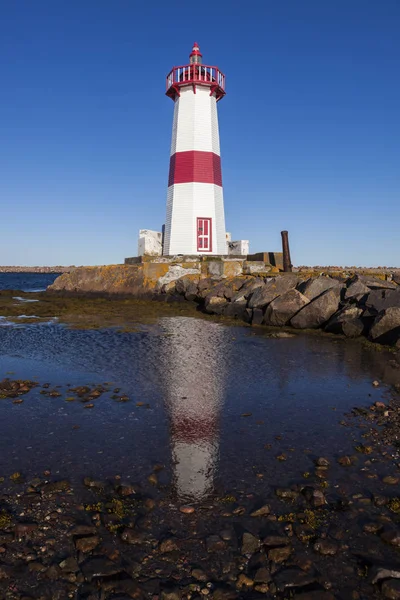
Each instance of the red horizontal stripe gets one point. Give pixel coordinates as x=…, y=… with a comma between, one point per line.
x=195, y=166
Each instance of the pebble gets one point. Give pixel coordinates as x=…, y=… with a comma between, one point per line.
x=187, y=510
x=326, y=547
x=391, y=589
x=391, y=480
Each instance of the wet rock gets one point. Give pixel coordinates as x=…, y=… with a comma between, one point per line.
x=187, y=510
x=215, y=544
x=263, y=575
x=100, y=567
x=126, y=490
x=250, y=544
x=87, y=544
x=315, y=497
x=244, y=582
x=386, y=328
x=257, y=316
x=6, y=572
x=83, y=530
x=322, y=462
x=326, y=547
x=391, y=480
x=315, y=595
x=304, y=532
x=199, y=575
x=292, y=577
x=391, y=536
x=319, y=310
x=283, y=308
x=287, y=493
x=346, y=322
x=168, y=545
x=345, y=461
x=23, y=530
x=273, y=540
x=131, y=536
x=262, y=296
x=315, y=286
x=279, y=555
x=227, y=534
x=93, y=483
x=69, y=565
x=391, y=589
x=262, y=511
x=55, y=487
x=379, y=573
x=171, y=593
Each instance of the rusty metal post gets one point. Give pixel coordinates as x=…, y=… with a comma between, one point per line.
x=287, y=263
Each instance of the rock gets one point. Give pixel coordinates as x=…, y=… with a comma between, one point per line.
x=247, y=289
x=199, y=575
x=275, y=287
x=250, y=544
x=379, y=573
x=287, y=493
x=379, y=300
x=315, y=286
x=55, y=487
x=87, y=544
x=235, y=310
x=386, y=328
x=319, y=311
x=279, y=555
x=276, y=540
x=391, y=589
x=215, y=544
x=292, y=577
x=345, y=461
x=69, y=565
x=131, y=536
x=326, y=547
x=214, y=305
x=390, y=480
x=168, y=545
x=315, y=497
x=100, y=567
x=315, y=595
x=171, y=593
x=261, y=512
x=391, y=536
x=191, y=292
x=263, y=575
x=257, y=316
x=346, y=322
x=244, y=582
x=375, y=283
x=356, y=290
x=283, y=308
x=186, y=510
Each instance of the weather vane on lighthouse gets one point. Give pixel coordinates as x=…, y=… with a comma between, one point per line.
x=195, y=218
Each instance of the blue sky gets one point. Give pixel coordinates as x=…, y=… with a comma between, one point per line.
x=310, y=126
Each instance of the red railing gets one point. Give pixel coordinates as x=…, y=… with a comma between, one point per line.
x=196, y=74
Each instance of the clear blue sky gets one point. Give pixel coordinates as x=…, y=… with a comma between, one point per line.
x=310, y=126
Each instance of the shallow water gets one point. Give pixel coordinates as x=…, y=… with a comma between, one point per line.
x=27, y=282
x=199, y=379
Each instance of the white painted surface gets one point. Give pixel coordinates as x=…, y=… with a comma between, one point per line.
x=239, y=247
x=186, y=202
x=195, y=124
x=150, y=243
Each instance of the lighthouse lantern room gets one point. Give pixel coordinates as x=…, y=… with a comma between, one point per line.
x=195, y=220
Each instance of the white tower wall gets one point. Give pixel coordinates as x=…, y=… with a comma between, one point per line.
x=195, y=183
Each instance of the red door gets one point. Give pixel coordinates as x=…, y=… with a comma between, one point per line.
x=204, y=236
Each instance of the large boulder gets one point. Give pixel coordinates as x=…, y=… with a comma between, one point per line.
x=356, y=290
x=283, y=308
x=315, y=286
x=386, y=329
x=247, y=289
x=262, y=296
x=346, y=322
x=319, y=311
x=215, y=305
x=378, y=300
x=375, y=283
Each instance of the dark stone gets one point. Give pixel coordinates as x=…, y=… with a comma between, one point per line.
x=215, y=544
x=87, y=544
x=326, y=547
x=391, y=589
x=275, y=287
x=379, y=300
x=262, y=511
x=356, y=290
x=168, y=545
x=375, y=283
x=346, y=322
x=280, y=554
x=391, y=536
x=319, y=311
x=235, y=310
x=257, y=316
x=283, y=308
x=250, y=543
x=386, y=329
x=292, y=577
x=191, y=292
x=247, y=289
x=55, y=487
x=315, y=595
x=315, y=286
x=100, y=567
x=215, y=305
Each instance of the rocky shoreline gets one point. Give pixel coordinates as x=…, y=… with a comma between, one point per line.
x=319, y=539
x=54, y=270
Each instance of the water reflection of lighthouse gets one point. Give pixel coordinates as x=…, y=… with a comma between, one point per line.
x=193, y=374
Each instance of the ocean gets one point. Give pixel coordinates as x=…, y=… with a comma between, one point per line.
x=27, y=282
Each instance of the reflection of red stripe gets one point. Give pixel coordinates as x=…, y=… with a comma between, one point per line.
x=190, y=430
x=195, y=166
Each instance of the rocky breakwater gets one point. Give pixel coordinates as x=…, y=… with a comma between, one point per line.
x=354, y=306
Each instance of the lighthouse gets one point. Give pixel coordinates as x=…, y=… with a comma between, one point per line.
x=195, y=219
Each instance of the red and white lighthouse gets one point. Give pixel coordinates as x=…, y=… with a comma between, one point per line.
x=195, y=221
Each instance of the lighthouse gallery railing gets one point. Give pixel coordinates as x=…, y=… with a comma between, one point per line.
x=196, y=73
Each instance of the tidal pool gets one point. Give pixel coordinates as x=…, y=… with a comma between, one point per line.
x=223, y=408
